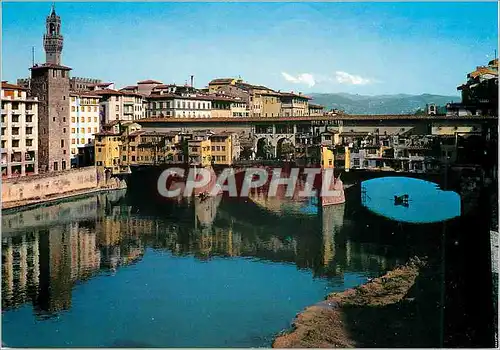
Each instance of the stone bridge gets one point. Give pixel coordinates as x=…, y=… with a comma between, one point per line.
x=267, y=135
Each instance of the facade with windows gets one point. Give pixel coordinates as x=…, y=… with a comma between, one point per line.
x=119, y=105
x=294, y=105
x=271, y=104
x=84, y=123
x=173, y=106
x=19, y=132
x=107, y=152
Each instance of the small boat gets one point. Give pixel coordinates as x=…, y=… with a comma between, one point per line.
x=401, y=200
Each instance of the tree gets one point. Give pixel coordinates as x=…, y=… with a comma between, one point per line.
x=420, y=111
x=246, y=152
x=287, y=148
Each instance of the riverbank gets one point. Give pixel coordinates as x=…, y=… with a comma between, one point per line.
x=27, y=204
x=385, y=312
x=43, y=188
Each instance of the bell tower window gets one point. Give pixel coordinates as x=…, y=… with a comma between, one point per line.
x=53, y=40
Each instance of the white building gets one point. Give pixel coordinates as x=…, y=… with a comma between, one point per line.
x=84, y=121
x=19, y=132
x=174, y=106
x=120, y=105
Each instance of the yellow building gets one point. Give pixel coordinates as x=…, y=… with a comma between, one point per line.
x=130, y=148
x=224, y=147
x=270, y=104
x=216, y=84
x=200, y=152
x=227, y=107
x=107, y=152
x=327, y=157
x=347, y=164
x=159, y=148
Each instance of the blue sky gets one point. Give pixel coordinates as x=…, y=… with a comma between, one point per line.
x=364, y=48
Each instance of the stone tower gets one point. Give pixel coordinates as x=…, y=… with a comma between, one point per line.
x=50, y=83
x=52, y=39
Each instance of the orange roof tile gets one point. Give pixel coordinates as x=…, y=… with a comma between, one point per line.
x=8, y=86
x=483, y=70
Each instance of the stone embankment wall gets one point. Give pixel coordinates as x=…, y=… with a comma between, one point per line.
x=49, y=186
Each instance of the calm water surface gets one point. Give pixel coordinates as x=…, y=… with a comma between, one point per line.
x=114, y=270
x=427, y=203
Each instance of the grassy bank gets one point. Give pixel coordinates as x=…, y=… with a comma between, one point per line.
x=398, y=309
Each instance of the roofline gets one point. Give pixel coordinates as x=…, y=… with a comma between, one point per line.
x=51, y=67
x=12, y=87
x=149, y=81
x=84, y=93
x=343, y=117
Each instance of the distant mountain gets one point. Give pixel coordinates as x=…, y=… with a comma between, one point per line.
x=381, y=104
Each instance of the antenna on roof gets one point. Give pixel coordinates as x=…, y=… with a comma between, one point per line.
x=32, y=56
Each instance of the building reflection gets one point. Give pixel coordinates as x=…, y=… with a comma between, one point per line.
x=104, y=232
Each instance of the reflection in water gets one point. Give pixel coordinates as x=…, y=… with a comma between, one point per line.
x=48, y=262
x=409, y=200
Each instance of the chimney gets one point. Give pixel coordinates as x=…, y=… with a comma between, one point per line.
x=192, y=80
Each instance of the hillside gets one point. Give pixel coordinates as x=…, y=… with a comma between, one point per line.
x=382, y=104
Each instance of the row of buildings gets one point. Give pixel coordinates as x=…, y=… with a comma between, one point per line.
x=50, y=120
x=122, y=145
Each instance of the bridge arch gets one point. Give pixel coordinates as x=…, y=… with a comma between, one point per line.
x=263, y=148
x=285, y=147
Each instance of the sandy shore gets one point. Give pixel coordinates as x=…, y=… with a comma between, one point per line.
x=377, y=314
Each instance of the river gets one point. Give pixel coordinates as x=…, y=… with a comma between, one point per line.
x=118, y=270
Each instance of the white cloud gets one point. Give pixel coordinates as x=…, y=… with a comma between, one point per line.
x=304, y=78
x=350, y=79
x=340, y=78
